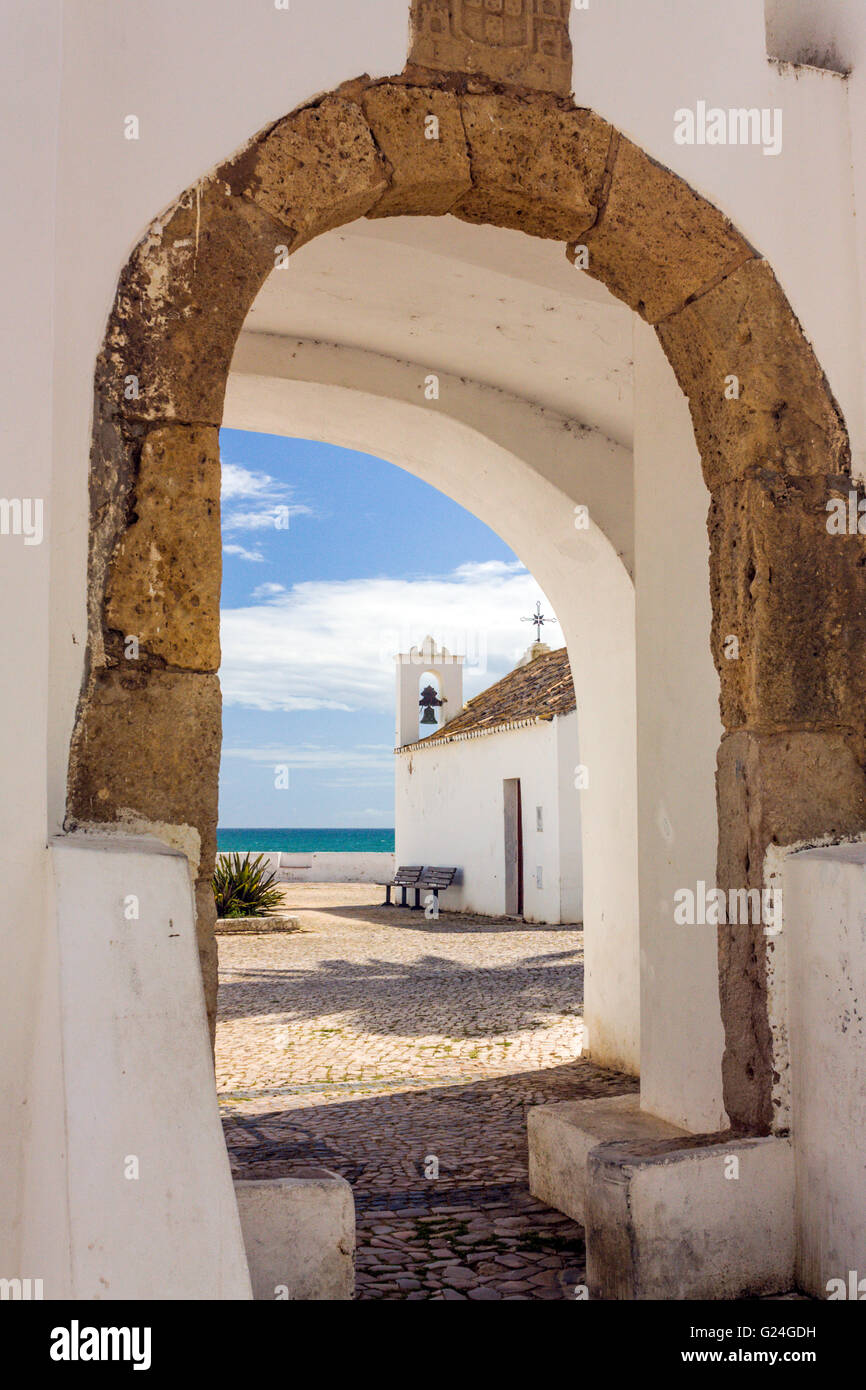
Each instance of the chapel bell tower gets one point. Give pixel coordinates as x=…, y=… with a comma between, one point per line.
x=429, y=690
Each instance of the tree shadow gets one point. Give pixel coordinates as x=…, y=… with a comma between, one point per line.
x=447, y=923
x=476, y=1130
x=412, y=999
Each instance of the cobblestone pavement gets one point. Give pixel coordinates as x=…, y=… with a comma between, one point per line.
x=402, y=1053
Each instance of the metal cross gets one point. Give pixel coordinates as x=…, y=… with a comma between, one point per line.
x=539, y=620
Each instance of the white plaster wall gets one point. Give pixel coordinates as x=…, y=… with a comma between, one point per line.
x=801, y=30
x=137, y=1087
x=449, y=810
x=824, y=896
x=797, y=207
x=570, y=821
x=325, y=866
x=30, y=57
x=678, y=731
x=440, y=291
x=323, y=390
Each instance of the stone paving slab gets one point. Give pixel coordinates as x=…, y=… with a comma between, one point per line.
x=403, y=1053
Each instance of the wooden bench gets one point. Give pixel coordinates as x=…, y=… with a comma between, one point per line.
x=435, y=879
x=407, y=876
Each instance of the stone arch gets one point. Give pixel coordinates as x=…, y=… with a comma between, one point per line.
x=145, y=749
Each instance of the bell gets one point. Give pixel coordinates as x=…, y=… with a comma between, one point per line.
x=429, y=716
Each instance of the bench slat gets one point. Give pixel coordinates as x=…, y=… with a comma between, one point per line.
x=437, y=878
x=407, y=874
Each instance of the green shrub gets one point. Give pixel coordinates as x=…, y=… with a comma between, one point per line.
x=244, y=887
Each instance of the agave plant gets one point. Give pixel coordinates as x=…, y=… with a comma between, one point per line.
x=244, y=887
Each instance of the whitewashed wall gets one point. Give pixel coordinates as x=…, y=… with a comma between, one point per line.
x=678, y=733
x=450, y=811
x=570, y=820
x=136, y=1200
x=824, y=908
x=328, y=866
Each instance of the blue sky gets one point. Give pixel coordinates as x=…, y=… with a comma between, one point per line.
x=324, y=580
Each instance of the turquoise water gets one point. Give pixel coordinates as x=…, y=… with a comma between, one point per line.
x=299, y=841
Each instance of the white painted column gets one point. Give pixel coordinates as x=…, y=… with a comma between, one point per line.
x=824, y=894
x=31, y=65
x=678, y=732
x=143, y=1203
x=599, y=629
x=568, y=823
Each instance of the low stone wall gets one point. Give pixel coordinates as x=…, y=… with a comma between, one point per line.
x=328, y=867
x=255, y=926
x=299, y=1234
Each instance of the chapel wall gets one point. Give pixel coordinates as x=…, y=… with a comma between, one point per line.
x=450, y=811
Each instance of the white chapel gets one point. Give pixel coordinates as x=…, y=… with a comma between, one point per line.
x=488, y=786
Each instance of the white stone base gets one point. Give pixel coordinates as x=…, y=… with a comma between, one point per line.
x=148, y=1210
x=699, y=1219
x=299, y=1234
x=562, y=1136
x=668, y=1215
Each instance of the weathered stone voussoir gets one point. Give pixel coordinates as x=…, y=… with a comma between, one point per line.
x=181, y=302
x=742, y=337
x=536, y=166
x=657, y=242
x=148, y=746
x=316, y=170
x=164, y=579
x=420, y=132
x=794, y=598
x=772, y=789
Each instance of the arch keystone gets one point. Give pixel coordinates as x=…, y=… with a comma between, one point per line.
x=428, y=175
x=536, y=167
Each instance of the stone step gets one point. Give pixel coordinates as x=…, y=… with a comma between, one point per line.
x=562, y=1135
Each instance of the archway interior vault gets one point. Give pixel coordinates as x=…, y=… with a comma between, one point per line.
x=145, y=750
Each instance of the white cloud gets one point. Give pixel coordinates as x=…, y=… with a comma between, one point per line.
x=367, y=758
x=331, y=644
x=240, y=484
x=242, y=553
x=268, y=590
x=474, y=570
x=277, y=517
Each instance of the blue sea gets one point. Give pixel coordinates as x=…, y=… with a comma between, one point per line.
x=299, y=841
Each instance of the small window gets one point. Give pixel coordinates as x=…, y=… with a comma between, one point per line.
x=539, y=818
